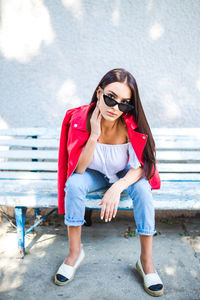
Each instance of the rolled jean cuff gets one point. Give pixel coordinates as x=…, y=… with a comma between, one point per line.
x=74, y=222
x=145, y=232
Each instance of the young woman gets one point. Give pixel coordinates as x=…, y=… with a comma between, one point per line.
x=108, y=143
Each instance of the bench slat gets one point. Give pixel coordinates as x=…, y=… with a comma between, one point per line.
x=47, y=131
x=172, y=138
x=28, y=187
x=52, y=166
x=30, y=154
x=28, y=175
x=54, y=143
x=175, y=138
x=47, y=143
x=178, y=156
x=180, y=176
x=39, y=166
x=53, y=176
x=178, y=168
x=32, y=131
x=193, y=132
x=162, y=156
x=29, y=200
x=50, y=186
x=178, y=145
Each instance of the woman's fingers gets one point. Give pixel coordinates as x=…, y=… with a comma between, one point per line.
x=115, y=211
x=103, y=211
x=108, y=212
x=111, y=212
x=109, y=209
x=110, y=215
x=96, y=109
x=95, y=121
x=99, y=117
x=96, y=113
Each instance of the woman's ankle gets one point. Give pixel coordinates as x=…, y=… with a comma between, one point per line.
x=147, y=264
x=71, y=258
x=75, y=250
x=146, y=258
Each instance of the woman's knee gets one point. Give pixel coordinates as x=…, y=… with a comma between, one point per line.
x=141, y=188
x=74, y=183
x=142, y=185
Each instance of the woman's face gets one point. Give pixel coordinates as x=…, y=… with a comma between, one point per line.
x=119, y=91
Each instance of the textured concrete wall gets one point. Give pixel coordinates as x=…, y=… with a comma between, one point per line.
x=53, y=54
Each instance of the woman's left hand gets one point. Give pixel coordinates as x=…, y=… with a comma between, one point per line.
x=110, y=203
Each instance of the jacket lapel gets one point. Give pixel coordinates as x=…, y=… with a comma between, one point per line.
x=137, y=139
x=80, y=117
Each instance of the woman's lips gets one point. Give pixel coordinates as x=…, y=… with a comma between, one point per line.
x=112, y=114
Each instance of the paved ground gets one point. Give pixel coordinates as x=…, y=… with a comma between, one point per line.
x=108, y=272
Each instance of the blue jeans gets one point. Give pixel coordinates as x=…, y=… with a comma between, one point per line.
x=78, y=185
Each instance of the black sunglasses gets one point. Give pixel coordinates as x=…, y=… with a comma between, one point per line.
x=124, y=107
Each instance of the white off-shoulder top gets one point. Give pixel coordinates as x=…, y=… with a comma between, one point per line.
x=110, y=159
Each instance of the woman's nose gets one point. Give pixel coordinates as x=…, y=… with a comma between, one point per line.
x=116, y=107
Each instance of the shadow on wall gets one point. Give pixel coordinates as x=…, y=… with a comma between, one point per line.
x=25, y=25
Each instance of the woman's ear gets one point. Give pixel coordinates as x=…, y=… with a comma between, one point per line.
x=98, y=93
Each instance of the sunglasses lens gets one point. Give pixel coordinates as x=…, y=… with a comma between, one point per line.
x=124, y=107
x=109, y=101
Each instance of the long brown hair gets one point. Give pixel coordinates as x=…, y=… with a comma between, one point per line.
x=121, y=75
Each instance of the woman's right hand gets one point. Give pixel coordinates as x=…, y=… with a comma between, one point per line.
x=95, y=122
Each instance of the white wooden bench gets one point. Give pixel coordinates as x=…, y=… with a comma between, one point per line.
x=28, y=171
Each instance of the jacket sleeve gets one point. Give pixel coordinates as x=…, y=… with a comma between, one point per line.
x=63, y=161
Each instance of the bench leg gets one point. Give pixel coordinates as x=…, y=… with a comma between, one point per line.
x=20, y=214
x=88, y=217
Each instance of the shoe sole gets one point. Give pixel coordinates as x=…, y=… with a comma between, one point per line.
x=63, y=283
x=152, y=293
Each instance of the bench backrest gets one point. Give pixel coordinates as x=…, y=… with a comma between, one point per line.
x=33, y=152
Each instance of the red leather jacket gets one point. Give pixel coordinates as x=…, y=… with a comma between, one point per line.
x=73, y=138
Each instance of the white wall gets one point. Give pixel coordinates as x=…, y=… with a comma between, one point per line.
x=53, y=54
